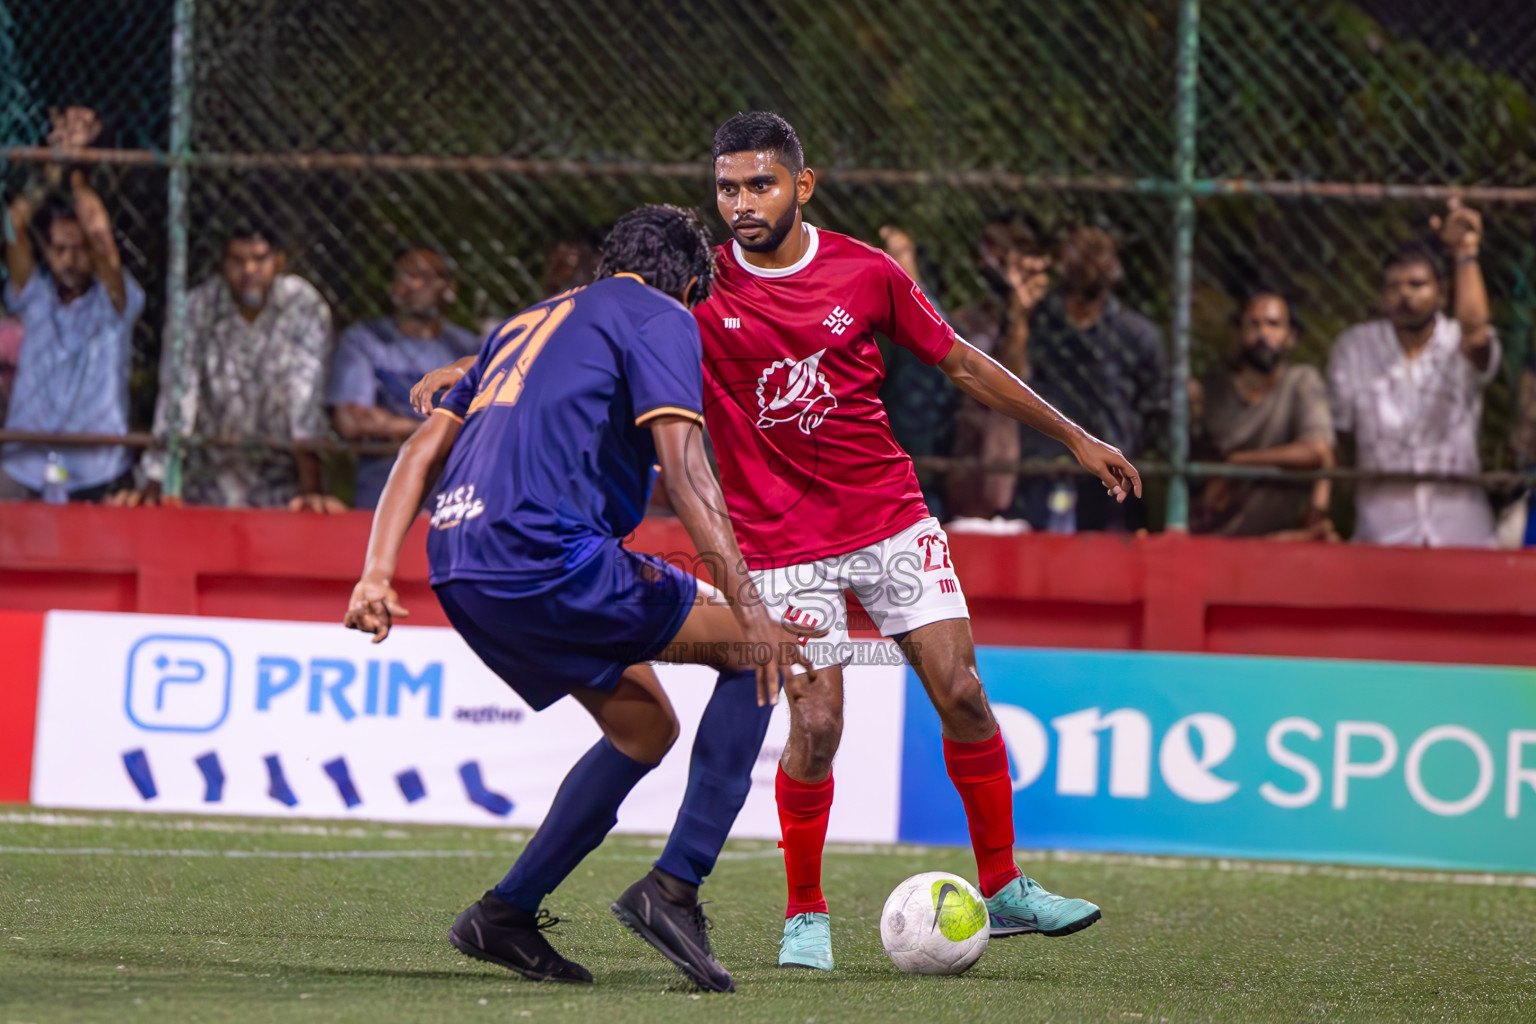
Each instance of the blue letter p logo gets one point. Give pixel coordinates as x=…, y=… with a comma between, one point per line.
x=178, y=683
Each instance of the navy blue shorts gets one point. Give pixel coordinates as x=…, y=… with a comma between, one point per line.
x=613, y=610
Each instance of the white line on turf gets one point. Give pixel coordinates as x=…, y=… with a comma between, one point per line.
x=48, y=818
x=107, y=851
x=115, y=851
x=53, y=819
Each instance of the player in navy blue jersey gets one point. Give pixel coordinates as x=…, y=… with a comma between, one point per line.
x=547, y=449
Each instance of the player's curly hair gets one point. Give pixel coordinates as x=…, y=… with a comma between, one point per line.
x=666, y=245
x=755, y=131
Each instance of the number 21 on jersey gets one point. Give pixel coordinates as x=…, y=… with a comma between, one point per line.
x=525, y=336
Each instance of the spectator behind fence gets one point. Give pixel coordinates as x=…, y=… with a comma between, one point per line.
x=253, y=365
x=1410, y=388
x=1265, y=411
x=77, y=312
x=378, y=361
x=571, y=263
x=1013, y=263
x=1104, y=367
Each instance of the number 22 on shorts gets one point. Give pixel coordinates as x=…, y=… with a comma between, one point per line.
x=935, y=552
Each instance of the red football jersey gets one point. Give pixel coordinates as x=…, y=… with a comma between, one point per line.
x=791, y=380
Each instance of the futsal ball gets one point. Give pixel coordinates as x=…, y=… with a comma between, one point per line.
x=935, y=923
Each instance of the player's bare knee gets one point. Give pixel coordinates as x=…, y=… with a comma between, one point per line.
x=652, y=744
x=961, y=702
x=817, y=716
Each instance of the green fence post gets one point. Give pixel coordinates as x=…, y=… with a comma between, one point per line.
x=1188, y=85
x=176, y=227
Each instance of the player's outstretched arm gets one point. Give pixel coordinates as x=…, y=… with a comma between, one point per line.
x=437, y=380
x=375, y=605
x=695, y=495
x=981, y=377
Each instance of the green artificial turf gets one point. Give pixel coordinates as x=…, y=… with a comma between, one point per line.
x=144, y=918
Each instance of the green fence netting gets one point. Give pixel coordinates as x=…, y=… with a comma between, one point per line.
x=1325, y=131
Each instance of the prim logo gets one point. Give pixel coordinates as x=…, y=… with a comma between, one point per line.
x=839, y=320
x=178, y=683
x=794, y=390
x=732, y=323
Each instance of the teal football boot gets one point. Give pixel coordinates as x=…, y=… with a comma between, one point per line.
x=1023, y=906
x=807, y=942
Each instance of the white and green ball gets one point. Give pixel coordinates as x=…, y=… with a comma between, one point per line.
x=935, y=923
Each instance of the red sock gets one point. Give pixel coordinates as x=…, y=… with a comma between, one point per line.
x=980, y=772
x=803, y=811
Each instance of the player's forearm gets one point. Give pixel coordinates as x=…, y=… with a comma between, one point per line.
x=985, y=380
x=695, y=496
x=712, y=537
x=416, y=470
x=696, y=499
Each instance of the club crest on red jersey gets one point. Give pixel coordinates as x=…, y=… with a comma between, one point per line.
x=794, y=390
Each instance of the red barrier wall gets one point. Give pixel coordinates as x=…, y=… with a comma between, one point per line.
x=1167, y=592
x=21, y=653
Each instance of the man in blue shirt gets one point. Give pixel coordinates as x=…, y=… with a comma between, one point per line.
x=77, y=315
x=544, y=455
x=378, y=360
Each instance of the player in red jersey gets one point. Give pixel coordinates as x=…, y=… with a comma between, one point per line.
x=823, y=499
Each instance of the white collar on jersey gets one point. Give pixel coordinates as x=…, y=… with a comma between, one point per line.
x=796, y=267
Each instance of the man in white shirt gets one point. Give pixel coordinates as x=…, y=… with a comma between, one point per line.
x=1410, y=388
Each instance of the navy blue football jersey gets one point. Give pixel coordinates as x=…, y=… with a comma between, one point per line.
x=555, y=457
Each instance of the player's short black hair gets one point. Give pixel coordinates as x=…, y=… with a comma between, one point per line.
x=756, y=131
x=1416, y=252
x=252, y=229
x=666, y=245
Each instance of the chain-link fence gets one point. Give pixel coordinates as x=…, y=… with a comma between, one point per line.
x=1313, y=136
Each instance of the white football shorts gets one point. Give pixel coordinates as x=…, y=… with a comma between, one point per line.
x=903, y=582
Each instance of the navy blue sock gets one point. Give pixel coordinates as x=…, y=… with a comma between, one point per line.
x=585, y=808
x=719, y=776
